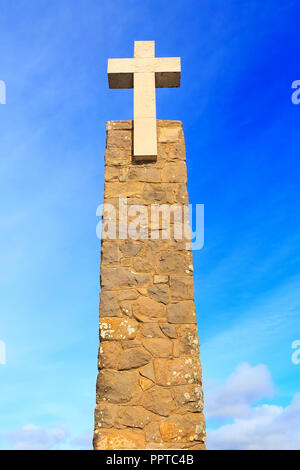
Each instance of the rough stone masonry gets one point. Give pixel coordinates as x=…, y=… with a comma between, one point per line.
x=149, y=386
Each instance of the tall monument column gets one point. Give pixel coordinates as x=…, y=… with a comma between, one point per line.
x=149, y=386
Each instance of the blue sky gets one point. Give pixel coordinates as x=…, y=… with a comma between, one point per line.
x=239, y=59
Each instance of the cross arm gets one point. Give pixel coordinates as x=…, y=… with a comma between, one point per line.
x=167, y=71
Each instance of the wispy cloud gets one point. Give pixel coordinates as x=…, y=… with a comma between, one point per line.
x=35, y=437
x=265, y=426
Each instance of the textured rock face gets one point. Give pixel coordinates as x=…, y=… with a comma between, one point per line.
x=149, y=387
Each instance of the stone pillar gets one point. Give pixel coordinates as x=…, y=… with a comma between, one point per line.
x=149, y=387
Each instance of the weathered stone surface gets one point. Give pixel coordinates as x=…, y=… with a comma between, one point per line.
x=114, y=278
x=149, y=390
x=153, y=433
x=144, y=173
x=168, y=134
x=145, y=383
x=148, y=310
x=187, y=343
x=151, y=330
x=115, y=386
x=117, y=328
x=115, y=173
x=155, y=194
x=109, y=354
x=159, y=401
x=158, y=347
x=169, y=330
x=182, y=312
x=160, y=293
x=142, y=265
x=117, y=157
x=129, y=294
x=119, y=138
x=177, y=371
x=119, y=439
x=105, y=414
x=108, y=305
x=110, y=253
x=148, y=372
x=174, y=263
x=130, y=248
x=182, y=288
x=174, y=173
x=133, y=358
x=160, y=279
x=188, y=398
x=183, y=428
x=117, y=189
x=135, y=417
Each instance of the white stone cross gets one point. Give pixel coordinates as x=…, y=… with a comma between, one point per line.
x=144, y=73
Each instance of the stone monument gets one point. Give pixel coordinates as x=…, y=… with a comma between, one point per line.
x=149, y=386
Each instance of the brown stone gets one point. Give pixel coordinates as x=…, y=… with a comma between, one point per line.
x=187, y=343
x=174, y=263
x=129, y=188
x=117, y=157
x=169, y=330
x=129, y=294
x=145, y=383
x=130, y=248
x=184, y=428
x=142, y=265
x=174, y=173
x=114, y=278
x=115, y=173
x=125, y=308
x=151, y=330
x=144, y=173
x=115, y=386
x=110, y=253
x=148, y=310
x=160, y=279
x=148, y=372
x=119, y=138
x=168, y=134
x=119, y=439
x=181, y=312
x=177, y=371
x=160, y=293
x=117, y=328
x=105, y=414
x=159, y=401
x=134, y=416
x=108, y=306
x=158, y=347
x=153, y=433
x=181, y=195
x=109, y=354
x=182, y=288
x=188, y=398
x=133, y=358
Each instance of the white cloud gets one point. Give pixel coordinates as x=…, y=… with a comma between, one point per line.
x=245, y=386
x=253, y=427
x=35, y=437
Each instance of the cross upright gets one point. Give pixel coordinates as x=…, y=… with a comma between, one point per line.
x=144, y=73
